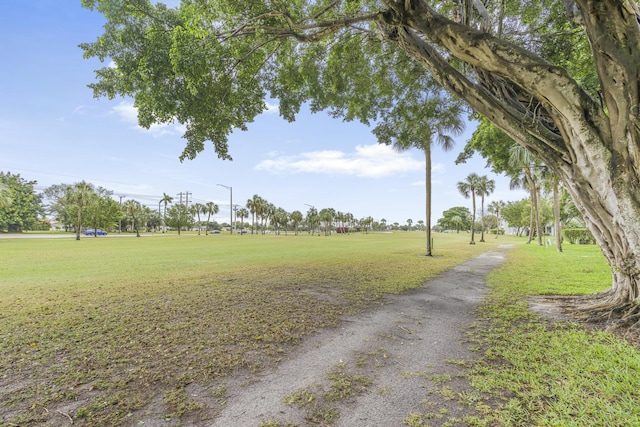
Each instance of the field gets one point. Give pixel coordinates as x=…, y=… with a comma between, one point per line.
x=104, y=330
x=99, y=329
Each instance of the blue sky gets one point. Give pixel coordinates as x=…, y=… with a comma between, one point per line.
x=53, y=131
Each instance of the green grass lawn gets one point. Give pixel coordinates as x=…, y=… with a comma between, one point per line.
x=102, y=327
x=542, y=374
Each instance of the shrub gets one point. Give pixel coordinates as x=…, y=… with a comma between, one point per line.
x=579, y=235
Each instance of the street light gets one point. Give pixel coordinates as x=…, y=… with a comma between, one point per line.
x=230, y=205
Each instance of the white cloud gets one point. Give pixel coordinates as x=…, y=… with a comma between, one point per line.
x=272, y=108
x=81, y=110
x=369, y=161
x=128, y=113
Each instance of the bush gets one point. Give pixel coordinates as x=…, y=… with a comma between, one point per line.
x=579, y=235
x=500, y=231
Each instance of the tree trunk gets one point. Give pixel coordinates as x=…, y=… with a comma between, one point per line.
x=482, y=218
x=79, y=221
x=427, y=152
x=532, y=213
x=556, y=214
x=594, y=150
x=538, y=214
x=473, y=218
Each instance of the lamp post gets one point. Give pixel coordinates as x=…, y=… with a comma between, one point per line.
x=230, y=205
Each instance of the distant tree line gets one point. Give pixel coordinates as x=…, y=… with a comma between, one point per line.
x=84, y=206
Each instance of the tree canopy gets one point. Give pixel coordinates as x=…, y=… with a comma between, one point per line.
x=20, y=206
x=559, y=77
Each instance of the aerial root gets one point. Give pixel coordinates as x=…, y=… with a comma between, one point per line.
x=620, y=317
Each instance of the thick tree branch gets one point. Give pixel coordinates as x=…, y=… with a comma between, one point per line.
x=534, y=135
x=612, y=26
x=512, y=63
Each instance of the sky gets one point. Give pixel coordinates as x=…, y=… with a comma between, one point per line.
x=53, y=131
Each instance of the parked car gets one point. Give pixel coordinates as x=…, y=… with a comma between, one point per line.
x=215, y=231
x=93, y=232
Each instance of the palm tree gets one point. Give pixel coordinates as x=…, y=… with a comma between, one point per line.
x=81, y=194
x=520, y=157
x=326, y=217
x=166, y=199
x=468, y=188
x=312, y=220
x=485, y=187
x=296, y=219
x=495, y=208
x=551, y=180
x=261, y=210
x=210, y=208
x=251, y=205
x=423, y=116
x=242, y=213
x=409, y=222
x=196, y=209
x=132, y=207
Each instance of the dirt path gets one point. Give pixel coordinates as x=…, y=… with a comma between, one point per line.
x=379, y=367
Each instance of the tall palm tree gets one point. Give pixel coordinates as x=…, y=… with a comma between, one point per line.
x=256, y=207
x=422, y=118
x=485, y=187
x=468, y=188
x=196, y=209
x=296, y=219
x=133, y=207
x=166, y=199
x=495, y=208
x=326, y=217
x=409, y=223
x=267, y=211
x=210, y=208
x=551, y=181
x=80, y=194
x=312, y=219
x=521, y=158
x=242, y=213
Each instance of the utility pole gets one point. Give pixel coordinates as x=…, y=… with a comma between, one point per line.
x=180, y=214
x=187, y=198
x=120, y=222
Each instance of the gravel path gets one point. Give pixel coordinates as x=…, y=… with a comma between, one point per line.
x=401, y=358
